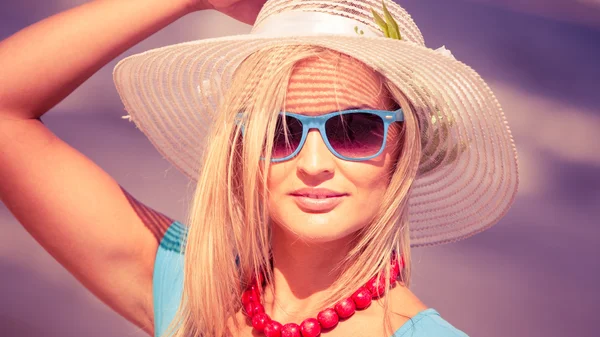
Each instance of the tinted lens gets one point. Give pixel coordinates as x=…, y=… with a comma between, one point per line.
x=288, y=134
x=355, y=135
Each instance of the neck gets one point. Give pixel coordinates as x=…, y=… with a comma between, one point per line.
x=303, y=274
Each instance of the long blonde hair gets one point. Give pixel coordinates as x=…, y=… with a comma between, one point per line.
x=229, y=218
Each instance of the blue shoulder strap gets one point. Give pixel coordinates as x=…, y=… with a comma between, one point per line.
x=428, y=323
x=167, y=280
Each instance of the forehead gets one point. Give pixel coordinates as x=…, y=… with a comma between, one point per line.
x=334, y=82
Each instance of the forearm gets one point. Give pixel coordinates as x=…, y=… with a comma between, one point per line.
x=45, y=62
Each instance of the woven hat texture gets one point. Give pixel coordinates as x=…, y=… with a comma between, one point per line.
x=468, y=176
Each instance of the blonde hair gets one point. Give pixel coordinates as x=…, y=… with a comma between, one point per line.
x=229, y=217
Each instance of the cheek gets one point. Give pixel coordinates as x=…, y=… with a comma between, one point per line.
x=278, y=173
x=370, y=179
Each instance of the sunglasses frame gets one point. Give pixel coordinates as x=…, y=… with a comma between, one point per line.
x=318, y=122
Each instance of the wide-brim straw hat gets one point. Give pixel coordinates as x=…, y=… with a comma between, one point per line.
x=468, y=175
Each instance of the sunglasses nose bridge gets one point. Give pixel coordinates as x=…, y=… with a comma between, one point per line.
x=314, y=156
x=315, y=124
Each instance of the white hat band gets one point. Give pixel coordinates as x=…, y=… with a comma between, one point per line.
x=296, y=23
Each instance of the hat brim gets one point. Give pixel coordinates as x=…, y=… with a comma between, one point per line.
x=171, y=94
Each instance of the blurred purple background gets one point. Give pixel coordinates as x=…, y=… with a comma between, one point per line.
x=536, y=273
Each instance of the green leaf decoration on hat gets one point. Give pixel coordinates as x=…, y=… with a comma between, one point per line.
x=389, y=26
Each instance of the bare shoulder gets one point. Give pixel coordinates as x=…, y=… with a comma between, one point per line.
x=404, y=303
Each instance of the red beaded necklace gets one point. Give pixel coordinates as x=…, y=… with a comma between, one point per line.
x=326, y=319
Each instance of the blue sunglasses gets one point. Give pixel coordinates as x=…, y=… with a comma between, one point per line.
x=353, y=135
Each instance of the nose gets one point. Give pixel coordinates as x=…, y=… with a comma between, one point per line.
x=315, y=158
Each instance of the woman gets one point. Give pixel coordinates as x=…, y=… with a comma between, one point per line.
x=315, y=142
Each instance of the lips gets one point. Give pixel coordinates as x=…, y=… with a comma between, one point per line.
x=314, y=196
x=317, y=200
x=317, y=193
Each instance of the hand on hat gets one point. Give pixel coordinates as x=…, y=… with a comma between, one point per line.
x=243, y=10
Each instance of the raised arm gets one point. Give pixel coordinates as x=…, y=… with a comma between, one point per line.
x=71, y=206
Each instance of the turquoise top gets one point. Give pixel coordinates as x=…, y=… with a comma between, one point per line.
x=168, y=284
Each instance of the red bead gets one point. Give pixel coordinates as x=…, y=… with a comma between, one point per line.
x=249, y=296
x=376, y=288
x=310, y=328
x=290, y=330
x=260, y=320
x=273, y=329
x=248, y=309
x=328, y=318
x=254, y=308
x=345, y=308
x=257, y=309
x=362, y=298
